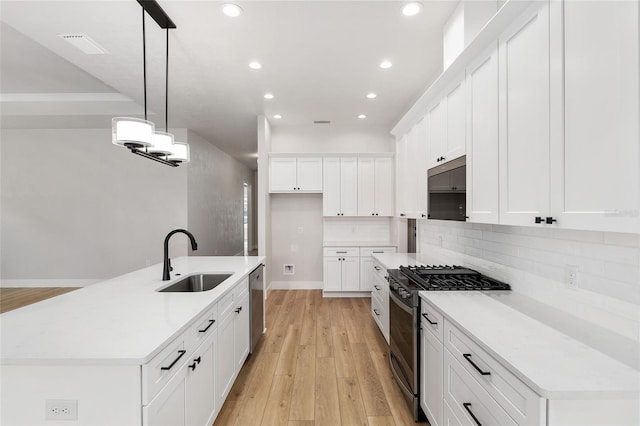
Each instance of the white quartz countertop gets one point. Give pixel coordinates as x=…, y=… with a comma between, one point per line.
x=553, y=364
x=358, y=244
x=119, y=321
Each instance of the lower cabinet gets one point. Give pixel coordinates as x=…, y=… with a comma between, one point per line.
x=168, y=407
x=351, y=268
x=431, y=375
x=201, y=402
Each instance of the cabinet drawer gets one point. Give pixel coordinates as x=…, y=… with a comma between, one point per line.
x=225, y=304
x=432, y=319
x=341, y=251
x=380, y=288
x=467, y=399
x=522, y=404
x=368, y=251
x=240, y=289
x=379, y=270
x=201, y=329
x=378, y=312
x=157, y=372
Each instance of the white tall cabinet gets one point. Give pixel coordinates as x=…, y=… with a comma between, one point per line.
x=340, y=197
x=524, y=118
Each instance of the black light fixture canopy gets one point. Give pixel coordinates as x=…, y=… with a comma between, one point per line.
x=157, y=13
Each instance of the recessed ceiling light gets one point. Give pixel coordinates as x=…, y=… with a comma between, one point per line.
x=362, y=116
x=277, y=116
x=371, y=96
x=255, y=65
x=231, y=9
x=268, y=96
x=385, y=64
x=412, y=8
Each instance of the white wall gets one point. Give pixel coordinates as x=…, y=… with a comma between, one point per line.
x=75, y=207
x=215, y=198
x=533, y=261
x=264, y=203
x=296, y=236
x=331, y=138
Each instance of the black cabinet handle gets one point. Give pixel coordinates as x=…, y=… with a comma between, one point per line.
x=377, y=214
x=424, y=215
x=428, y=320
x=342, y=252
x=192, y=366
x=550, y=220
x=538, y=219
x=211, y=322
x=197, y=360
x=181, y=352
x=377, y=287
x=376, y=268
x=375, y=311
x=468, y=358
x=238, y=310
x=467, y=406
x=402, y=215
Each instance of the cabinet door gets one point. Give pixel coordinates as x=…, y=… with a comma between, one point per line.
x=448, y=417
x=309, y=174
x=366, y=273
x=168, y=407
x=366, y=187
x=419, y=169
x=200, y=384
x=410, y=174
x=456, y=123
x=383, y=187
x=595, y=169
x=482, y=141
x=403, y=191
x=226, y=365
x=437, y=133
x=331, y=187
x=282, y=174
x=242, y=331
x=349, y=186
x=431, y=376
x=350, y=274
x=524, y=118
x=332, y=274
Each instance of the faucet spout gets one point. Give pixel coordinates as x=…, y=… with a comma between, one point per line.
x=166, y=270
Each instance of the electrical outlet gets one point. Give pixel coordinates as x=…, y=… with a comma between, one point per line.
x=288, y=269
x=61, y=409
x=571, y=276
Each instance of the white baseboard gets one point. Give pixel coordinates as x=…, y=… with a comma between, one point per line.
x=49, y=283
x=296, y=285
x=346, y=294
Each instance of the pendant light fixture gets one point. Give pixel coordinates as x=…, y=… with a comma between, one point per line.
x=140, y=135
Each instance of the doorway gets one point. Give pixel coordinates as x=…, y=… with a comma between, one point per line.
x=245, y=218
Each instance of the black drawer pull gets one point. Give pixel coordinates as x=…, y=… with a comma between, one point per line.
x=342, y=252
x=181, y=352
x=377, y=252
x=211, y=322
x=197, y=360
x=375, y=311
x=428, y=320
x=376, y=268
x=192, y=366
x=467, y=406
x=238, y=310
x=468, y=358
x=377, y=287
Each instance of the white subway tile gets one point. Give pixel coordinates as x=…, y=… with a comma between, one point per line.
x=576, y=235
x=608, y=253
x=624, y=273
x=619, y=239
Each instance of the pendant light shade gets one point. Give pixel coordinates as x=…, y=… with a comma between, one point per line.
x=132, y=132
x=180, y=153
x=162, y=144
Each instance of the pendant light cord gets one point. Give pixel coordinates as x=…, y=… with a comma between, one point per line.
x=166, y=88
x=144, y=64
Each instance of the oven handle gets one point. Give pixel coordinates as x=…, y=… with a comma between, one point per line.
x=400, y=303
x=399, y=380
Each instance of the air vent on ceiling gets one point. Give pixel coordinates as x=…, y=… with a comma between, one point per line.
x=84, y=43
x=321, y=122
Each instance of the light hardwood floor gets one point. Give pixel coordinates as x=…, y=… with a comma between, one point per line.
x=322, y=362
x=14, y=298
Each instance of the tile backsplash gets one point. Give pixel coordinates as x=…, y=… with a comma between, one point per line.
x=535, y=262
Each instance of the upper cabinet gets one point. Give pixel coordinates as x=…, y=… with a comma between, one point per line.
x=447, y=120
x=524, y=118
x=595, y=161
x=375, y=186
x=289, y=174
x=340, y=196
x=411, y=172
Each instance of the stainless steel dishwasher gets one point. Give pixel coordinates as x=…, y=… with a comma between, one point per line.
x=256, y=296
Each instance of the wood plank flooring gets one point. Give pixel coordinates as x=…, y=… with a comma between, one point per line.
x=14, y=298
x=322, y=362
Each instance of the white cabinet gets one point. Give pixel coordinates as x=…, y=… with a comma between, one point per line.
x=446, y=126
x=431, y=366
x=340, y=176
x=226, y=366
x=380, y=298
x=341, y=269
x=242, y=331
x=524, y=118
x=200, y=402
x=375, y=186
x=288, y=174
x=411, y=172
x=367, y=267
x=168, y=407
x=595, y=167
x=482, y=138
x=403, y=177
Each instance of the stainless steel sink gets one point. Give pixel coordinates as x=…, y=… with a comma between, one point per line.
x=194, y=283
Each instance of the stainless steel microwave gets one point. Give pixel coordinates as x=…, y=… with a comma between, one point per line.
x=448, y=190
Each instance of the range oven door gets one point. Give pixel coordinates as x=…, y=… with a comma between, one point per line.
x=403, y=347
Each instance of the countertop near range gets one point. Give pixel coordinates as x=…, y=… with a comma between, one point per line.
x=553, y=364
x=123, y=320
x=358, y=244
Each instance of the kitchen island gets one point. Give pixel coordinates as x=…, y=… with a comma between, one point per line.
x=110, y=347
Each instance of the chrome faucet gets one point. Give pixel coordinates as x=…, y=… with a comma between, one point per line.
x=166, y=276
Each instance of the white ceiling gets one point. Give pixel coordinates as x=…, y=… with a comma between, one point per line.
x=320, y=59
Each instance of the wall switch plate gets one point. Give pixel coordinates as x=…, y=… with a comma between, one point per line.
x=571, y=276
x=61, y=409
